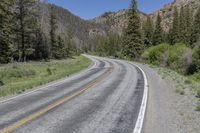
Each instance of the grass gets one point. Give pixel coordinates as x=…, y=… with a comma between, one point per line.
x=19, y=77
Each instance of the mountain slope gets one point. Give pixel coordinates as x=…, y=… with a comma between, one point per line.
x=72, y=27
x=116, y=20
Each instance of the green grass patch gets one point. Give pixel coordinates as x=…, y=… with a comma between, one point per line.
x=19, y=77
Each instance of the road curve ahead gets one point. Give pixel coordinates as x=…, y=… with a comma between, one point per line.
x=105, y=98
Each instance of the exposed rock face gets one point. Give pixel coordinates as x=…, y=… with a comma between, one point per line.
x=96, y=32
x=116, y=20
x=167, y=11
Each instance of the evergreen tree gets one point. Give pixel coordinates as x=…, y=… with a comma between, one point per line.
x=196, y=28
x=189, y=20
x=25, y=24
x=5, y=30
x=53, y=27
x=148, y=32
x=60, y=53
x=174, y=31
x=68, y=48
x=158, y=32
x=41, y=45
x=132, y=38
x=183, y=25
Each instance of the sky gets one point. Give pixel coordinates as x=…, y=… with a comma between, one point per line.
x=88, y=9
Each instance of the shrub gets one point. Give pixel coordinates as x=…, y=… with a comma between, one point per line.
x=153, y=54
x=49, y=71
x=177, y=57
x=182, y=92
x=196, y=56
x=198, y=93
x=180, y=58
x=188, y=66
x=1, y=82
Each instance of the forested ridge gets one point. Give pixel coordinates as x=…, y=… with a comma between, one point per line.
x=22, y=35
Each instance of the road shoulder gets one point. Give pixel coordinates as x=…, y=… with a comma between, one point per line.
x=168, y=111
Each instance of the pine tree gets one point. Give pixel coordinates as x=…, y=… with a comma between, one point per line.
x=60, y=53
x=41, y=49
x=25, y=24
x=148, y=32
x=5, y=30
x=183, y=25
x=196, y=28
x=158, y=32
x=68, y=48
x=189, y=20
x=174, y=31
x=53, y=27
x=132, y=38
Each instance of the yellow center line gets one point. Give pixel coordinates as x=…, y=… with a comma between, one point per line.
x=54, y=105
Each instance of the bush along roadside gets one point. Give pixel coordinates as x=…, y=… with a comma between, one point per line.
x=177, y=57
x=179, y=63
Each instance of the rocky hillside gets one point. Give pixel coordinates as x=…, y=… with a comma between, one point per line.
x=167, y=11
x=117, y=20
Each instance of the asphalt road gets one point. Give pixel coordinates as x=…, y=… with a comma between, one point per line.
x=105, y=98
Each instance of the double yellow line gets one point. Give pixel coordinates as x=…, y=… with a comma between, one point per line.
x=41, y=112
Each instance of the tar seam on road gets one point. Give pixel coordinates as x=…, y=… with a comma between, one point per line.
x=140, y=119
x=41, y=112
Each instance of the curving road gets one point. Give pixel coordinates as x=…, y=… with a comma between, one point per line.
x=105, y=98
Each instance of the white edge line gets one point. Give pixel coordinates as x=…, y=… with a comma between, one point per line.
x=140, y=120
x=53, y=83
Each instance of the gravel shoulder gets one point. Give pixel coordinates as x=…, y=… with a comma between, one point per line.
x=171, y=104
